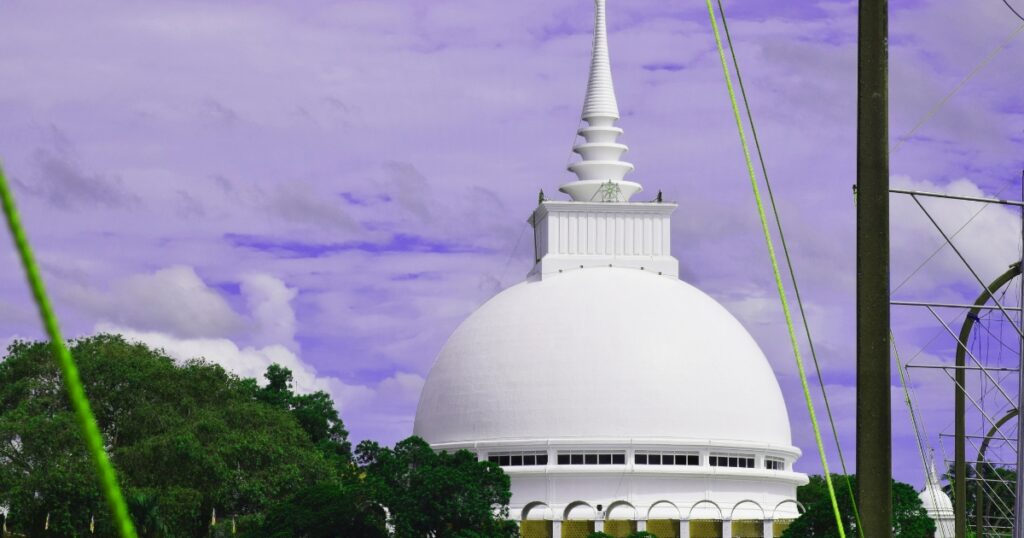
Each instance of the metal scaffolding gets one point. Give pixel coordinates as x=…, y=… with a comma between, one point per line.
x=995, y=402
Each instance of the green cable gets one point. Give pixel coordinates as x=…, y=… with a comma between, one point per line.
x=792, y=272
x=79, y=401
x=776, y=273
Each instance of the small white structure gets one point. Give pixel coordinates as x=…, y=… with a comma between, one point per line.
x=614, y=395
x=938, y=505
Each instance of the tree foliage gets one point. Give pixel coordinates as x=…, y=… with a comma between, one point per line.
x=314, y=412
x=909, y=519
x=186, y=438
x=437, y=494
x=190, y=438
x=326, y=510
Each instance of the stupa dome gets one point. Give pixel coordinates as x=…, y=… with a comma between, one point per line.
x=612, y=353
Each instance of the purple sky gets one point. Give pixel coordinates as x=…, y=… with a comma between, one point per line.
x=335, y=185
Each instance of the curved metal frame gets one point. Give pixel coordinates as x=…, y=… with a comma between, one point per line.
x=960, y=433
x=980, y=469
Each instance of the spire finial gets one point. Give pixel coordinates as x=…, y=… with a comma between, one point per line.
x=601, y=169
x=601, y=100
x=933, y=477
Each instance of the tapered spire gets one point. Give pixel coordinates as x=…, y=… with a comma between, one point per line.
x=601, y=171
x=601, y=102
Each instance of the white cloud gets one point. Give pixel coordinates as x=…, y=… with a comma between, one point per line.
x=174, y=300
x=991, y=242
x=272, y=330
x=402, y=386
x=269, y=302
x=247, y=361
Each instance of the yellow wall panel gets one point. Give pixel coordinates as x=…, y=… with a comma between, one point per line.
x=705, y=528
x=747, y=528
x=535, y=529
x=577, y=529
x=663, y=528
x=779, y=526
x=620, y=528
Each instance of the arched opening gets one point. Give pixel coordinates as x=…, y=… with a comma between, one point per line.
x=578, y=520
x=620, y=519
x=536, y=521
x=706, y=520
x=784, y=515
x=663, y=520
x=747, y=520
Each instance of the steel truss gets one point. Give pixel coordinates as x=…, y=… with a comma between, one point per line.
x=994, y=515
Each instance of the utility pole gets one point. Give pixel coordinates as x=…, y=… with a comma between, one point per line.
x=874, y=418
x=1018, y=507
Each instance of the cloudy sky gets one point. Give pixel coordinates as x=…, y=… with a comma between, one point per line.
x=335, y=185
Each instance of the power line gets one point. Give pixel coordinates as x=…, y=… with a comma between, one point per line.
x=1015, y=12
x=774, y=262
x=942, y=102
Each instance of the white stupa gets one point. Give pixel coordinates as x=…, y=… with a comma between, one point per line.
x=938, y=504
x=615, y=396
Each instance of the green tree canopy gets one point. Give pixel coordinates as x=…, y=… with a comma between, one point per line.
x=326, y=510
x=189, y=438
x=186, y=438
x=909, y=518
x=437, y=494
x=315, y=413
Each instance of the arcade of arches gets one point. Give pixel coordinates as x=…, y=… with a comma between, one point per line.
x=621, y=519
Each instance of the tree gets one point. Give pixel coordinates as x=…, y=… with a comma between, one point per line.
x=192, y=435
x=437, y=494
x=189, y=438
x=145, y=511
x=325, y=510
x=909, y=518
x=315, y=412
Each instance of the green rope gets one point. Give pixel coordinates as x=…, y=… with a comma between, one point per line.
x=79, y=401
x=792, y=271
x=775, y=271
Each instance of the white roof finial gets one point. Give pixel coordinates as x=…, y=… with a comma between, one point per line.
x=601, y=171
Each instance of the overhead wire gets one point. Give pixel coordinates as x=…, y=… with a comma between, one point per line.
x=776, y=273
x=508, y=261
x=943, y=245
x=789, y=263
x=963, y=82
x=1015, y=12
x=921, y=439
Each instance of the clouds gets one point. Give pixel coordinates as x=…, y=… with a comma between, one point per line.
x=270, y=333
x=988, y=237
x=269, y=302
x=337, y=185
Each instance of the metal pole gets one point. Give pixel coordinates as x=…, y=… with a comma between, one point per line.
x=874, y=419
x=960, y=403
x=1018, y=511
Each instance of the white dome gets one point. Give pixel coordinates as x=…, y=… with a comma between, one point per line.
x=602, y=353
x=935, y=501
